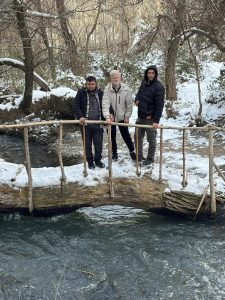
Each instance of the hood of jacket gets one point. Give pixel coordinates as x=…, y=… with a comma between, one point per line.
x=152, y=67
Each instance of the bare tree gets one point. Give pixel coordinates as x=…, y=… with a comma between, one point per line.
x=89, y=36
x=19, y=9
x=46, y=41
x=71, y=45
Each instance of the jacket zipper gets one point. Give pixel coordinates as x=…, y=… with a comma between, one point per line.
x=116, y=106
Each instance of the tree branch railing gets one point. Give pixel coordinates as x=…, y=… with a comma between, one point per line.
x=209, y=129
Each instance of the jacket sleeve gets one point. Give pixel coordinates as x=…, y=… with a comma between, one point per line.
x=100, y=95
x=105, y=103
x=158, y=103
x=128, y=104
x=138, y=93
x=77, y=105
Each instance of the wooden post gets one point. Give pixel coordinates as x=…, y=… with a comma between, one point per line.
x=28, y=168
x=111, y=187
x=63, y=177
x=219, y=171
x=211, y=176
x=84, y=152
x=138, y=171
x=184, y=181
x=161, y=154
x=201, y=202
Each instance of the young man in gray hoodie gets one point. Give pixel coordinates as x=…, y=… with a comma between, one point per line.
x=117, y=106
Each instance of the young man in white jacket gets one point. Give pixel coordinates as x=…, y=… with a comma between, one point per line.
x=117, y=106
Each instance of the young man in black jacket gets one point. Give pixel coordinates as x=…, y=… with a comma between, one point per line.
x=88, y=106
x=150, y=102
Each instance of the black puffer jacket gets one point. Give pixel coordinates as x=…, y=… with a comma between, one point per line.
x=151, y=97
x=80, y=103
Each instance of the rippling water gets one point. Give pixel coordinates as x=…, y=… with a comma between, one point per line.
x=111, y=253
x=12, y=150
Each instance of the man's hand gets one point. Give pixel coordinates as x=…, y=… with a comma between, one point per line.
x=126, y=120
x=155, y=125
x=109, y=120
x=82, y=120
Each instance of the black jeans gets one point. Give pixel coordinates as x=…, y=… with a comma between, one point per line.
x=93, y=134
x=125, y=135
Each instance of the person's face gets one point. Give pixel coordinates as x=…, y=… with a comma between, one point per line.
x=116, y=79
x=151, y=74
x=91, y=85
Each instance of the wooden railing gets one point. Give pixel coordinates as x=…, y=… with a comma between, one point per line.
x=211, y=164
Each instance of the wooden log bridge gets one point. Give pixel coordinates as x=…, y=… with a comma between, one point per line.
x=139, y=192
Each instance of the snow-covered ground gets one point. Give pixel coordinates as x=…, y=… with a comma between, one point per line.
x=64, y=92
x=196, y=160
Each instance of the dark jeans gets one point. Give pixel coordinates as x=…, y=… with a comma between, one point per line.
x=125, y=135
x=94, y=134
x=151, y=138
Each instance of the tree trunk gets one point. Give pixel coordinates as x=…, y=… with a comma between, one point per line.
x=172, y=52
x=197, y=73
x=88, y=39
x=71, y=45
x=46, y=42
x=28, y=54
x=170, y=71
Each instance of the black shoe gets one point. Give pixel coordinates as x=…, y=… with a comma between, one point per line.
x=147, y=162
x=133, y=155
x=115, y=157
x=91, y=165
x=99, y=164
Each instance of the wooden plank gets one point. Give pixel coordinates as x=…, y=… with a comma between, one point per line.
x=84, y=152
x=111, y=186
x=219, y=171
x=71, y=122
x=201, y=202
x=138, y=171
x=63, y=177
x=28, y=168
x=211, y=175
x=184, y=181
x=161, y=154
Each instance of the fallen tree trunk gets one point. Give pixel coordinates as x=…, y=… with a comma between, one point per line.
x=140, y=193
x=20, y=65
x=46, y=107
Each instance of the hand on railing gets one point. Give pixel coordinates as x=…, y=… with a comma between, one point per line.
x=126, y=120
x=155, y=125
x=109, y=119
x=82, y=121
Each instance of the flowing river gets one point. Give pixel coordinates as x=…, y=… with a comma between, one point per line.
x=109, y=253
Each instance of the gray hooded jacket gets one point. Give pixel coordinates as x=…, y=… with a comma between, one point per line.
x=121, y=102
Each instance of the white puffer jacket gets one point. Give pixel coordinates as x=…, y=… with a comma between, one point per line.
x=121, y=102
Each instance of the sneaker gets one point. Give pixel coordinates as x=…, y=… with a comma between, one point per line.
x=115, y=157
x=91, y=165
x=133, y=155
x=99, y=164
x=147, y=162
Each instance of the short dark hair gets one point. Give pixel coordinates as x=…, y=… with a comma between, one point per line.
x=91, y=78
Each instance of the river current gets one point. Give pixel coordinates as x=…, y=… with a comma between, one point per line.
x=108, y=253
x=111, y=253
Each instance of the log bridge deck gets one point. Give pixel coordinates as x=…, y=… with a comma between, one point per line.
x=140, y=192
